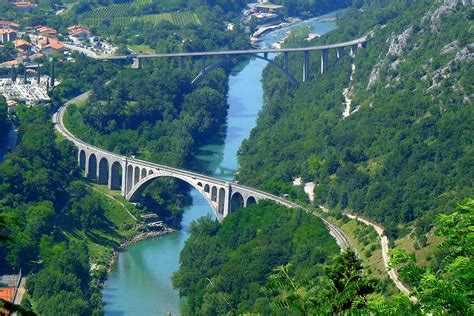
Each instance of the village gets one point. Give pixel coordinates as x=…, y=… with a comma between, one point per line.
x=22, y=78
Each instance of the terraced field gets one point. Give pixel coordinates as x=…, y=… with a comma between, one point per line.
x=117, y=15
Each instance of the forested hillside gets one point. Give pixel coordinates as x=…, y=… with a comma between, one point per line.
x=54, y=224
x=405, y=151
x=223, y=267
x=4, y=121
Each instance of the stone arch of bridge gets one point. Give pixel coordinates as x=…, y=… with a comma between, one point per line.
x=103, y=171
x=82, y=159
x=215, y=65
x=92, y=166
x=138, y=188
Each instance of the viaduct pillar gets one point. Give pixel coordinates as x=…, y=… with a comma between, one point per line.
x=285, y=61
x=324, y=60
x=306, y=66
x=228, y=193
x=137, y=63
x=339, y=52
x=353, y=50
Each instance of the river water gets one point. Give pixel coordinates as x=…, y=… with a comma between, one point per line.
x=140, y=281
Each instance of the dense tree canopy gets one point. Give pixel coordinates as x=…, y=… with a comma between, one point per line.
x=224, y=266
x=406, y=153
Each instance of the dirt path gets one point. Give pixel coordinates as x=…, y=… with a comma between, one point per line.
x=386, y=257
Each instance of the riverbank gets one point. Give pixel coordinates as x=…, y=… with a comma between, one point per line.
x=133, y=240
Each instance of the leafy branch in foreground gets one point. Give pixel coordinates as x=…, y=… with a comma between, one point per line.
x=345, y=288
x=449, y=289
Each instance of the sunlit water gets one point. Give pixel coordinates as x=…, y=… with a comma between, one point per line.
x=140, y=282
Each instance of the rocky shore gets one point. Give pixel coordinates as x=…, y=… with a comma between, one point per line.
x=139, y=237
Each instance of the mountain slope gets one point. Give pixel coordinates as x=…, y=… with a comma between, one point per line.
x=405, y=152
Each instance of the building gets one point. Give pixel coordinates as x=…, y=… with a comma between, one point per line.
x=46, y=31
x=79, y=32
x=7, y=35
x=268, y=7
x=53, y=50
x=7, y=24
x=26, y=6
x=22, y=46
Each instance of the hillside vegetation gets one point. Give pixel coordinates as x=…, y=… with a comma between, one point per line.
x=223, y=267
x=405, y=152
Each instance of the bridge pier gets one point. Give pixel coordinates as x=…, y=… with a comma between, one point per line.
x=285, y=61
x=353, y=50
x=137, y=63
x=124, y=177
x=324, y=60
x=265, y=55
x=339, y=52
x=306, y=66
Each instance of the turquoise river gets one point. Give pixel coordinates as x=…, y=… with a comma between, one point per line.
x=140, y=281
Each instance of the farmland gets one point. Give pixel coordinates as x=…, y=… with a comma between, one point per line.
x=119, y=15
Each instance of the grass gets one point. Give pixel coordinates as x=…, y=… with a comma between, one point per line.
x=367, y=243
x=102, y=241
x=141, y=49
x=424, y=255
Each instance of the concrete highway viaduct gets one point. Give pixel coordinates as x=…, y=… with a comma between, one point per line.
x=256, y=53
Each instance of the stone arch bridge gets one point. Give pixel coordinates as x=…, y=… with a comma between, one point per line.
x=131, y=175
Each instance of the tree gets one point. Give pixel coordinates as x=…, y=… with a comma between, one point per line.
x=345, y=288
x=448, y=290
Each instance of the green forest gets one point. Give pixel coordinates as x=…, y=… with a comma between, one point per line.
x=224, y=266
x=402, y=156
x=406, y=153
x=53, y=223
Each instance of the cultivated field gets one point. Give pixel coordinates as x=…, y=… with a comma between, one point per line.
x=118, y=15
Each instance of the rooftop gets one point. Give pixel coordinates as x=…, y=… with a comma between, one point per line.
x=7, y=293
x=268, y=5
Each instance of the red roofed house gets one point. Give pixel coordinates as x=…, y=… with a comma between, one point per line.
x=26, y=6
x=45, y=30
x=7, y=24
x=54, y=49
x=7, y=35
x=79, y=31
x=22, y=45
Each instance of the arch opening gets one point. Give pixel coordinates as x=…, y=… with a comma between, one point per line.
x=92, y=172
x=200, y=184
x=116, y=176
x=206, y=188
x=221, y=203
x=236, y=202
x=150, y=172
x=143, y=173
x=251, y=201
x=103, y=171
x=136, y=175
x=214, y=194
x=82, y=159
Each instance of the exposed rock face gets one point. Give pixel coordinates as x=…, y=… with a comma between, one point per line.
x=449, y=48
x=447, y=7
x=466, y=53
x=399, y=43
